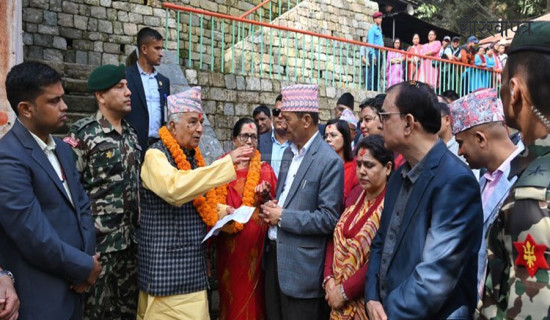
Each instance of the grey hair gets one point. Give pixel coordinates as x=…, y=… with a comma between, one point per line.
x=174, y=117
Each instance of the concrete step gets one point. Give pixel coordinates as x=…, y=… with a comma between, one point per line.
x=75, y=86
x=80, y=104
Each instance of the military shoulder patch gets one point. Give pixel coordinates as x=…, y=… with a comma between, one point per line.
x=82, y=123
x=531, y=255
x=536, y=175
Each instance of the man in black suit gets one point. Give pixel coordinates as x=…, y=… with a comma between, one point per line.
x=149, y=88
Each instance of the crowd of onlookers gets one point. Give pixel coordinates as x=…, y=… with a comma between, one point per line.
x=415, y=62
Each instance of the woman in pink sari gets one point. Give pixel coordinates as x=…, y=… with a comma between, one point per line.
x=394, y=64
x=428, y=73
x=414, y=61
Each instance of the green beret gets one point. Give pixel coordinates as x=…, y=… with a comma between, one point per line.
x=104, y=77
x=535, y=37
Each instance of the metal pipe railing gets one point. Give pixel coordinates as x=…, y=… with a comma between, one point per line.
x=252, y=50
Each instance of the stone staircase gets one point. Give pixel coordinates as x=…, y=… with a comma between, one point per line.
x=302, y=59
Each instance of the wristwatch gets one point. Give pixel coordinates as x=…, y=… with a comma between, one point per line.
x=7, y=273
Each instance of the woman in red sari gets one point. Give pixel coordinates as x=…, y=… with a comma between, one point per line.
x=239, y=248
x=347, y=257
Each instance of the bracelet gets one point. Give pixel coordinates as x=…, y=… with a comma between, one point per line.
x=325, y=280
x=343, y=293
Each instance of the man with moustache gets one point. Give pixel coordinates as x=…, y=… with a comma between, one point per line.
x=108, y=159
x=172, y=274
x=308, y=201
x=47, y=236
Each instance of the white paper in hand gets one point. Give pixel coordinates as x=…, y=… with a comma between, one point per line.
x=241, y=215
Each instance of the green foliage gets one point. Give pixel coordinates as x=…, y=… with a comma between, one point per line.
x=448, y=13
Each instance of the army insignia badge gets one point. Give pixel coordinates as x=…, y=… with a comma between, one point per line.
x=531, y=255
x=109, y=154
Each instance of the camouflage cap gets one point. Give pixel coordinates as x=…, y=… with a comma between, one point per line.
x=104, y=77
x=535, y=37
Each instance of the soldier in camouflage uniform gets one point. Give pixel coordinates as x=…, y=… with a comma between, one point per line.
x=108, y=158
x=518, y=279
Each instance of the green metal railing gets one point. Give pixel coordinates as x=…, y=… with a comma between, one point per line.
x=227, y=44
x=269, y=10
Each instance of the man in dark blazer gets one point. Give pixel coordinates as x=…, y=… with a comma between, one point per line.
x=309, y=199
x=46, y=231
x=423, y=262
x=149, y=89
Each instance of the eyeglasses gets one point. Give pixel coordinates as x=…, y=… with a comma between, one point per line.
x=245, y=136
x=384, y=116
x=276, y=112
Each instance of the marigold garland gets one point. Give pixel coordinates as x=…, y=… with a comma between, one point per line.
x=249, y=196
x=206, y=206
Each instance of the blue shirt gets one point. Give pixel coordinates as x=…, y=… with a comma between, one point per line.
x=277, y=151
x=152, y=96
x=374, y=36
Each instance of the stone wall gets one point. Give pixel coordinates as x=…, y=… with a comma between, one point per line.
x=228, y=97
x=98, y=32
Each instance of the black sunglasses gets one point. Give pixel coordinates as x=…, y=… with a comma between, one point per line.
x=276, y=112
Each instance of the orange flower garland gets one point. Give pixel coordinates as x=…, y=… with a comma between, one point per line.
x=206, y=206
x=249, y=196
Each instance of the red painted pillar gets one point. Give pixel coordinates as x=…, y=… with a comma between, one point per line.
x=11, y=53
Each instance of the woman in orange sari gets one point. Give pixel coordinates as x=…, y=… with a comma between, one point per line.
x=239, y=248
x=347, y=257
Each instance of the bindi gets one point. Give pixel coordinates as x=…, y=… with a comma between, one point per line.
x=250, y=126
x=362, y=153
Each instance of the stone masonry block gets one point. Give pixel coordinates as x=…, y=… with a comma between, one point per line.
x=105, y=26
x=27, y=39
x=120, y=5
x=60, y=43
x=55, y=5
x=209, y=107
x=266, y=85
x=50, y=18
x=130, y=29
x=92, y=24
x=230, y=81
x=53, y=55
x=112, y=14
x=204, y=78
x=191, y=76
x=219, y=94
x=81, y=57
x=36, y=52
x=33, y=15
x=31, y=28
x=241, y=84
x=217, y=79
x=69, y=7
x=268, y=98
x=42, y=4
x=108, y=58
x=50, y=30
x=253, y=84
x=84, y=45
x=81, y=22
x=248, y=96
x=65, y=20
x=241, y=109
x=122, y=16
x=98, y=12
x=117, y=27
x=105, y=3
x=141, y=9
x=135, y=18
x=111, y=48
x=229, y=109
x=151, y=21
x=42, y=40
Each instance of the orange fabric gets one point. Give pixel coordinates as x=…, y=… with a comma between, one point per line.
x=239, y=256
x=351, y=254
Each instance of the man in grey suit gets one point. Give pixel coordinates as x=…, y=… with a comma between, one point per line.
x=302, y=218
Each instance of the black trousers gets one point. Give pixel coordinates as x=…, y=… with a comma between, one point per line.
x=282, y=307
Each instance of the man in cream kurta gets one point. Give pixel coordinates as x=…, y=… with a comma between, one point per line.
x=172, y=260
